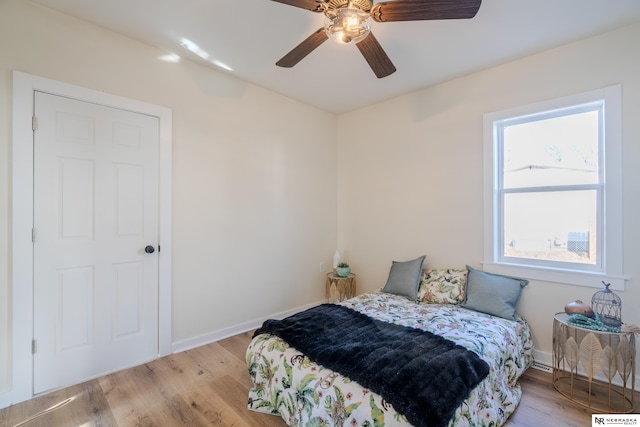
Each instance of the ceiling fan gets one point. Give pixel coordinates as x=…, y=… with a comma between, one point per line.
x=347, y=22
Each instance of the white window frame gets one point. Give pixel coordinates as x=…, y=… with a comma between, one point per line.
x=609, y=267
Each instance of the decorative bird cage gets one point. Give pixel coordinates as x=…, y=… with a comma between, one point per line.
x=608, y=306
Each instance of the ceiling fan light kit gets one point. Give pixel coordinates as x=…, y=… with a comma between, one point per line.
x=347, y=21
x=347, y=24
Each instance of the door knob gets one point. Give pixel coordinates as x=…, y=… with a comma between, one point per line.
x=149, y=249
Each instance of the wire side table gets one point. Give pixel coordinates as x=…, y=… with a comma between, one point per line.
x=595, y=369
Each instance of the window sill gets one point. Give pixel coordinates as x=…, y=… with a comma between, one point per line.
x=568, y=277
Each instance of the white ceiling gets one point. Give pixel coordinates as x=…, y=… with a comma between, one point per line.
x=249, y=36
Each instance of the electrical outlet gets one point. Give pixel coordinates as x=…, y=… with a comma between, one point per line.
x=322, y=267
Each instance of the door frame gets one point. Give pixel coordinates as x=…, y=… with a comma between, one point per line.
x=22, y=263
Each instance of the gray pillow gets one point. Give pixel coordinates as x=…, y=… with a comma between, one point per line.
x=404, y=278
x=492, y=293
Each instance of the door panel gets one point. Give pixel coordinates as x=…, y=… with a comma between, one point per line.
x=129, y=287
x=95, y=210
x=75, y=290
x=129, y=199
x=76, y=198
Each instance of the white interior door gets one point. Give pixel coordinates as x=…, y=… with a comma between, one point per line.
x=95, y=212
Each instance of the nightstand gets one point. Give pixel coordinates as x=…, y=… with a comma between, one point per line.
x=340, y=288
x=595, y=369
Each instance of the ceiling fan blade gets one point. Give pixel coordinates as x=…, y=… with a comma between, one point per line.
x=311, y=5
x=303, y=49
x=376, y=56
x=420, y=10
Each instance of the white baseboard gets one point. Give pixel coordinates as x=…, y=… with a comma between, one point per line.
x=6, y=399
x=221, y=334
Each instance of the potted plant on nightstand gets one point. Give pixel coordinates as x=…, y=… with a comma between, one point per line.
x=343, y=269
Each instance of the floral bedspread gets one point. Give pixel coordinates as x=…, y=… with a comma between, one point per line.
x=304, y=394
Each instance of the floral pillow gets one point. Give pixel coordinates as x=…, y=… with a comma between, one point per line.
x=443, y=286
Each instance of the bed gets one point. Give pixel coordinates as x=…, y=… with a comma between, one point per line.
x=467, y=307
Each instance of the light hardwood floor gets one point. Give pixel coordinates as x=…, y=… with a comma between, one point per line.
x=208, y=386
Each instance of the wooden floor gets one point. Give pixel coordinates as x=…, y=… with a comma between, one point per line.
x=208, y=386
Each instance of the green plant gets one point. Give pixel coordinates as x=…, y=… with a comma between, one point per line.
x=343, y=265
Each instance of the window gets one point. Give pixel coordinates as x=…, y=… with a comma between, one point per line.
x=553, y=196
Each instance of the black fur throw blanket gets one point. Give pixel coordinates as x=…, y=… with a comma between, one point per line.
x=424, y=376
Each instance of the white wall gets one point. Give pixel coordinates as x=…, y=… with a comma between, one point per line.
x=254, y=173
x=410, y=169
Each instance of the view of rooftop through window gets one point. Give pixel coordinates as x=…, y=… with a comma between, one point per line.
x=550, y=186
